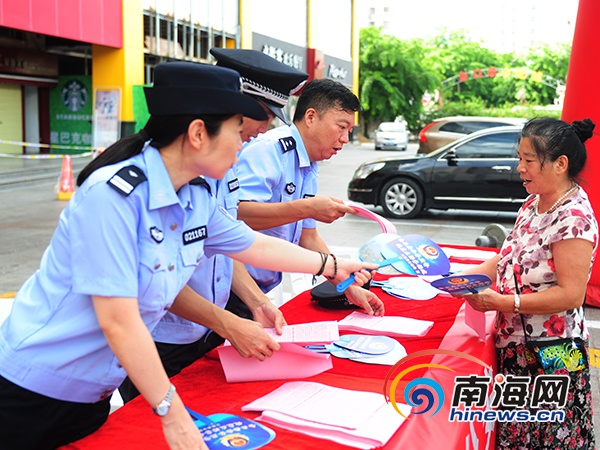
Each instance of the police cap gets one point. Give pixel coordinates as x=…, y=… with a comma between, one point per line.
x=263, y=77
x=188, y=88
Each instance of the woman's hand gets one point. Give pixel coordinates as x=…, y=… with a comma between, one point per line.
x=487, y=300
x=346, y=267
x=180, y=431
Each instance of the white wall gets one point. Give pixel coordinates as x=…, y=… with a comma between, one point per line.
x=332, y=27
x=280, y=19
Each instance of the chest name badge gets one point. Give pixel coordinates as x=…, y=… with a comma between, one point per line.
x=156, y=234
x=290, y=188
x=309, y=195
x=194, y=235
x=288, y=143
x=233, y=185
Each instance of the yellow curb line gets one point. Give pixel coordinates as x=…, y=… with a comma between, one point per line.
x=8, y=295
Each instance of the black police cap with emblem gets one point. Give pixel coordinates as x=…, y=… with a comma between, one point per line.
x=263, y=77
x=188, y=88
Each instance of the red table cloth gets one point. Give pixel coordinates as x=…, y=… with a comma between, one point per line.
x=203, y=387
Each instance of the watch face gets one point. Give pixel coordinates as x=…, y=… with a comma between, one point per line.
x=162, y=410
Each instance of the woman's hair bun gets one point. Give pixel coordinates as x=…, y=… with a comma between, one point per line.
x=584, y=129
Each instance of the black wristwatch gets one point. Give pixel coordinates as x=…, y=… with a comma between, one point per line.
x=163, y=407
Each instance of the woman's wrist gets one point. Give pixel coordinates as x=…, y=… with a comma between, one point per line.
x=334, y=272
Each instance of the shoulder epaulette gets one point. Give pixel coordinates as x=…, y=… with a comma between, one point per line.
x=288, y=143
x=126, y=179
x=199, y=181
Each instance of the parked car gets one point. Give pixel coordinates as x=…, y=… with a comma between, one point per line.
x=391, y=135
x=478, y=171
x=447, y=129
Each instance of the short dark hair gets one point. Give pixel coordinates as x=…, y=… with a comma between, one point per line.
x=552, y=138
x=323, y=95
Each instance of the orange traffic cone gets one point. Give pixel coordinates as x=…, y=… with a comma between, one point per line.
x=66, y=186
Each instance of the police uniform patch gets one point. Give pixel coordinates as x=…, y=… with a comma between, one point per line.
x=194, y=235
x=288, y=143
x=199, y=181
x=233, y=185
x=157, y=234
x=290, y=188
x=126, y=179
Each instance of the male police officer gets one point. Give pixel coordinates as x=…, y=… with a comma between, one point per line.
x=278, y=179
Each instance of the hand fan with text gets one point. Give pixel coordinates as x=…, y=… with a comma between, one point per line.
x=412, y=254
x=418, y=254
x=225, y=431
x=370, y=251
x=463, y=284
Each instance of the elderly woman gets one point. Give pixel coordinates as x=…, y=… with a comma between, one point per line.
x=541, y=274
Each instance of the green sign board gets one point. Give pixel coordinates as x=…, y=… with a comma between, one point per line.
x=140, y=109
x=71, y=107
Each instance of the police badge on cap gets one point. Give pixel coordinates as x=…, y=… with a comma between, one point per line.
x=268, y=80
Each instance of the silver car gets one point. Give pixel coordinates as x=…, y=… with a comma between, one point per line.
x=391, y=135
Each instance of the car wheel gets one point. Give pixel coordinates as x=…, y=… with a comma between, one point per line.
x=377, y=147
x=402, y=198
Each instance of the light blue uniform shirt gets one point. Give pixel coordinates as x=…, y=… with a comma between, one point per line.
x=144, y=245
x=212, y=279
x=275, y=168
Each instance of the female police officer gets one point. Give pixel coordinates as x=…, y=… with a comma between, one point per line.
x=125, y=246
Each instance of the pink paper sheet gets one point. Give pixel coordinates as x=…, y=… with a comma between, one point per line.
x=291, y=361
x=386, y=225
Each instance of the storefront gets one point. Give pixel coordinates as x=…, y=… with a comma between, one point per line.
x=26, y=77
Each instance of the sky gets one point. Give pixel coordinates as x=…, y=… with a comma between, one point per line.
x=504, y=26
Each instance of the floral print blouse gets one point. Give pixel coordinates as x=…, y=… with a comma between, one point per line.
x=527, y=251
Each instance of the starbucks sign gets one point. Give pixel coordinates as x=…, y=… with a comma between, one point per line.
x=71, y=113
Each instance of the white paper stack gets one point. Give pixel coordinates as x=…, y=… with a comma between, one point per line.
x=355, y=418
x=393, y=326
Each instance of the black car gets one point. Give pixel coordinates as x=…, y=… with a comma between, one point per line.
x=478, y=171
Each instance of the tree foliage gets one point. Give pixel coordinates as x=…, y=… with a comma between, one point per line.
x=394, y=75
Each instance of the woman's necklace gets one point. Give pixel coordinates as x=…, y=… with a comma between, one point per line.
x=557, y=202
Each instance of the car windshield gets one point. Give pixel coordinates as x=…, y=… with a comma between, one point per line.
x=391, y=126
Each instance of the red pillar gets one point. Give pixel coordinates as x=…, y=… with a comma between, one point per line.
x=582, y=99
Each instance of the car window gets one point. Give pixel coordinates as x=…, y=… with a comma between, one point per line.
x=391, y=126
x=476, y=126
x=468, y=127
x=498, y=145
x=455, y=127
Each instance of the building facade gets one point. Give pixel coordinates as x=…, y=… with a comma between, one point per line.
x=72, y=73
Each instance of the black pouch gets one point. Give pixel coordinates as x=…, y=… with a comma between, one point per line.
x=555, y=354
x=326, y=296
